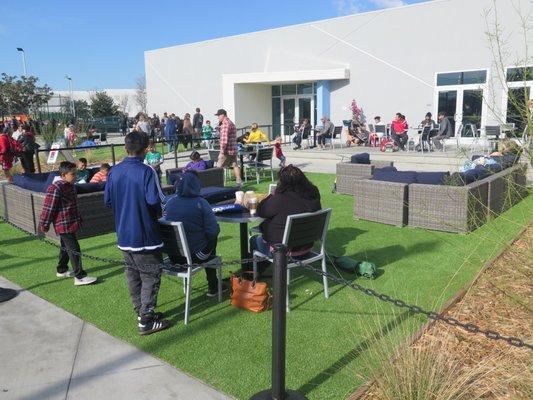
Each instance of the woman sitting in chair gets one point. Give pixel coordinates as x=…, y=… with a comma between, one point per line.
x=199, y=222
x=294, y=194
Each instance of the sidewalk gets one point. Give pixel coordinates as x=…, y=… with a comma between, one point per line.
x=48, y=353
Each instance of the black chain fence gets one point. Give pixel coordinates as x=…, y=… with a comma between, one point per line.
x=469, y=327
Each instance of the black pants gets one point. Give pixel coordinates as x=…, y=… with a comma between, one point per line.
x=143, y=275
x=26, y=159
x=69, y=243
x=321, y=139
x=211, y=273
x=400, y=140
x=297, y=139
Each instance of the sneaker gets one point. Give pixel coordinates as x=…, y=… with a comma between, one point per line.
x=156, y=316
x=214, y=293
x=66, y=274
x=152, y=326
x=87, y=280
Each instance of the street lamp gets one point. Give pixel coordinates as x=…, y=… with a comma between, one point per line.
x=72, y=109
x=20, y=49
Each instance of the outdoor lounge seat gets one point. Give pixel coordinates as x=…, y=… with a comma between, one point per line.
x=175, y=243
x=208, y=177
x=302, y=229
x=348, y=172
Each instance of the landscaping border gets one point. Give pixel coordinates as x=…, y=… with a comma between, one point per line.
x=363, y=389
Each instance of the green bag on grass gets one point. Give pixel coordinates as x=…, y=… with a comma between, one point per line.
x=365, y=269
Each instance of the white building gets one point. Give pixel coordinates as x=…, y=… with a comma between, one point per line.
x=124, y=99
x=424, y=57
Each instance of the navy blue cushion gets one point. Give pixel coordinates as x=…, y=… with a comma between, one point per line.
x=214, y=194
x=388, y=168
x=34, y=182
x=39, y=176
x=395, y=176
x=482, y=172
x=475, y=174
x=362, y=158
x=50, y=180
x=431, y=178
x=82, y=188
x=209, y=164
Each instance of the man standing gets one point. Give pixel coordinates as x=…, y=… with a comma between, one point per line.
x=228, y=145
x=197, y=123
x=445, y=131
x=134, y=194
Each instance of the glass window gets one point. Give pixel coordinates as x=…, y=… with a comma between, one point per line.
x=276, y=116
x=314, y=88
x=462, y=78
x=288, y=89
x=450, y=78
x=276, y=91
x=519, y=74
x=305, y=88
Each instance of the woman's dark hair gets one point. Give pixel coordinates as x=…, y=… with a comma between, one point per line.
x=292, y=179
x=429, y=115
x=195, y=156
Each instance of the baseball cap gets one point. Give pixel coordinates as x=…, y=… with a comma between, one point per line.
x=221, y=111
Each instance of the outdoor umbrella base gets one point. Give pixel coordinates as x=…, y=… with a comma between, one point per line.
x=7, y=294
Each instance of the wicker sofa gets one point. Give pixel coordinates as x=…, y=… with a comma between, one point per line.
x=348, y=173
x=208, y=177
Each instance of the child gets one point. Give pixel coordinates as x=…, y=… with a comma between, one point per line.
x=61, y=209
x=8, y=149
x=279, y=152
x=154, y=159
x=82, y=173
x=134, y=193
x=101, y=176
x=196, y=162
x=207, y=134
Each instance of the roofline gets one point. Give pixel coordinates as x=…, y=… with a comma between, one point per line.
x=383, y=10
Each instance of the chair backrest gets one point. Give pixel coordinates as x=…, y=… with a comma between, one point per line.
x=508, y=127
x=492, y=130
x=426, y=129
x=337, y=131
x=272, y=188
x=381, y=129
x=306, y=228
x=174, y=239
x=213, y=155
x=264, y=154
x=103, y=137
x=371, y=127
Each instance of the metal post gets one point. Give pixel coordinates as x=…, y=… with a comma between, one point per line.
x=279, y=311
x=37, y=160
x=176, y=154
x=21, y=50
x=113, y=153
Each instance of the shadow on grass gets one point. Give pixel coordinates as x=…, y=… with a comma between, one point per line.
x=14, y=241
x=353, y=354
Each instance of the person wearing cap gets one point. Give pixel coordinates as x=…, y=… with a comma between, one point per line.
x=228, y=145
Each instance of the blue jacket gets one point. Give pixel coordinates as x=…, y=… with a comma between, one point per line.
x=199, y=222
x=133, y=192
x=170, y=128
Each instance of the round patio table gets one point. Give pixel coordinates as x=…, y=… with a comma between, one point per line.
x=241, y=218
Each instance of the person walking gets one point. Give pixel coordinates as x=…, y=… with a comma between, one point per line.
x=228, y=145
x=197, y=123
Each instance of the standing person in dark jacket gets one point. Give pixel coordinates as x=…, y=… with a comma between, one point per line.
x=27, y=141
x=199, y=222
x=197, y=123
x=134, y=194
x=294, y=194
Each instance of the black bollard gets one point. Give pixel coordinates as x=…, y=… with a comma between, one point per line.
x=279, y=311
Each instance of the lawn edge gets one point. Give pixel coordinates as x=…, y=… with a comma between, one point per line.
x=363, y=389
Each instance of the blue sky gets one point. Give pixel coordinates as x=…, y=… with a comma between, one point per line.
x=101, y=43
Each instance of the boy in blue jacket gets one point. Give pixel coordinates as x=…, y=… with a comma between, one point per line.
x=134, y=194
x=199, y=222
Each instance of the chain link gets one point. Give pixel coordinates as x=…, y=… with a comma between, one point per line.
x=469, y=327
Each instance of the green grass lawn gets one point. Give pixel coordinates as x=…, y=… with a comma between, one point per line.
x=327, y=340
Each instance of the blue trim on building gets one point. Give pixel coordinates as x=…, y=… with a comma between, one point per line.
x=322, y=99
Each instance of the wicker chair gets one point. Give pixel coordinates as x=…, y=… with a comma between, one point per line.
x=506, y=188
x=348, y=172
x=381, y=201
x=459, y=209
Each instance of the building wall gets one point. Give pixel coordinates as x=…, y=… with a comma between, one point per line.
x=392, y=55
x=255, y=102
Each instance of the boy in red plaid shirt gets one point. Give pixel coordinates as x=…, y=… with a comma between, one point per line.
x=61, y=209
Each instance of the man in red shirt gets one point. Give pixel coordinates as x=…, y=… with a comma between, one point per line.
x=228, y=145
x=399, y=129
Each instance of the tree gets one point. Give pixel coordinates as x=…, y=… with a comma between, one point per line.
x=81, y=107
x=123, y=104
x=140, y=94
x=22, y=95
x=102, y=105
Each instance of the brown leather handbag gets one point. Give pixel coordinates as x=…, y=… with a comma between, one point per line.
x=251, y=295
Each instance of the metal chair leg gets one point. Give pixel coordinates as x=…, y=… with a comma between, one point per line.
x=187, y=299
x=324, y=278
x=219, y=275
x=288, y=282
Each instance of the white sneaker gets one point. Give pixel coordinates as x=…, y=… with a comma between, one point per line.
x=84, y=281
x=67, y=274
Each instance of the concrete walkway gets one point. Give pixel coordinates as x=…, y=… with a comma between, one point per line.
x=47, y=353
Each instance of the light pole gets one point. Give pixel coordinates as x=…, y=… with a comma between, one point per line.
x=72, y=109
x=20, y=49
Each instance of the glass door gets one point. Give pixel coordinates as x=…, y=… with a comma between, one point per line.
x=304, y=109
x=289, y=112
x=447, y=102
x=472, y=108
x=516, y=99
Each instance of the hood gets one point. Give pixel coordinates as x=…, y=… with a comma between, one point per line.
x=189, y=185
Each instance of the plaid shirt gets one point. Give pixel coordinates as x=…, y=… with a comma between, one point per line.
x=60, y=208
x=228, y=138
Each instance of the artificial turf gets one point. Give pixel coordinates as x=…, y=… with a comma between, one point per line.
x=326, y=339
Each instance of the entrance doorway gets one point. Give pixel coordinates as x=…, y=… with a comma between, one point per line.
x=295, y=109
x=463, y=107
